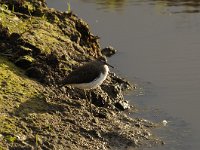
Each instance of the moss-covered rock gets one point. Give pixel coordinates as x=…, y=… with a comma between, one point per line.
x=24, y=61
x=42, y=36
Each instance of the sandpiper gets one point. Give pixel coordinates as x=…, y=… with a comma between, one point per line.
x=88, y=76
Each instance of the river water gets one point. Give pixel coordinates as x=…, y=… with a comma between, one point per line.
x=158, y=43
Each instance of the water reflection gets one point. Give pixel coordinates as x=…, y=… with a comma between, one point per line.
x=109, y=4
x=186, y=6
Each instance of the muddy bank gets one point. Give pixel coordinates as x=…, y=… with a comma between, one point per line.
x=38, y=47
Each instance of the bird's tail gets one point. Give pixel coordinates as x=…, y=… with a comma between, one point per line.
x=62, y=83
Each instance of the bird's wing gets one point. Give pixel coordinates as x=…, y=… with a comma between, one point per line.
x=82, y=75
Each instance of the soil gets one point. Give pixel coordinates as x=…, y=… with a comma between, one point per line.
x=39, y=46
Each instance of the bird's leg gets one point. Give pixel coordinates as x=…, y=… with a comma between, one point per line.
x=98, y=89
x=88, y=99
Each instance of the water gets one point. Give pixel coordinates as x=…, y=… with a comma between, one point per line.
x=158, y=49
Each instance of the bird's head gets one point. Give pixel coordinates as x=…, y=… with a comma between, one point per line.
x=103, y=60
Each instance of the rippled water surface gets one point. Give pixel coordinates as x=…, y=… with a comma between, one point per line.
x=158, y=43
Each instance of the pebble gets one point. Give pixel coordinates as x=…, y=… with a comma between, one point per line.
x=164, y=122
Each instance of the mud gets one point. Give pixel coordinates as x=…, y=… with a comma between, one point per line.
x=39, y=46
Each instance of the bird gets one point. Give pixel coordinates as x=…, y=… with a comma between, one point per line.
x=88, y=76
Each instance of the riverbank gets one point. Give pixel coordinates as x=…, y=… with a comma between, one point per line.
x=38, y=47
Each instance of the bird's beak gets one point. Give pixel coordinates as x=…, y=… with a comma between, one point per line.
x=109, y=65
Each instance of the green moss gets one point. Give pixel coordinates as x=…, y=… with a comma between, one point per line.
x=66, y=69
x=26, y=49
x=53, y=18
x=10, y=139
x=45, y=36
x=29, y=6
x=1, y=148
x=38, y=31
x=12, y=22
x=27, y=58
x=18, y=95
x=15, y=87
x=8, y=125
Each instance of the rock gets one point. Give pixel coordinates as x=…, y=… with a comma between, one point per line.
x=14, y=37
x=24, y=61
x=4, y=32
x=122, y=105
x=22, y=51
x=108, y=51
x=102, y=113
x=34, y=73
x=124, y=84
x=75, y=38
x=98, y=100
x=4, y=83
x=52, y=60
